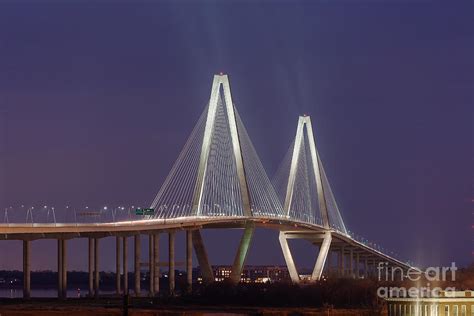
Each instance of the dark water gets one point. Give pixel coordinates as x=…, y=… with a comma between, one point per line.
x=18, y=293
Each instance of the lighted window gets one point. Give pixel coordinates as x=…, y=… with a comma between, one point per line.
x=455, y=310
x=446, y=310
x=472, y=310
x=463, y=310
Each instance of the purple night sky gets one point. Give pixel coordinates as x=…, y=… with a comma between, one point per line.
x=97, y=99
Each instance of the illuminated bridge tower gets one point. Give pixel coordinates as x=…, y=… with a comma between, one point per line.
x=307, y=197
x=218, y=176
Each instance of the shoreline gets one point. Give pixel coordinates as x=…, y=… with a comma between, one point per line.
x=146, y=307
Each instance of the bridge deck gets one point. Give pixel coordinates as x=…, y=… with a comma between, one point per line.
x=300, y=230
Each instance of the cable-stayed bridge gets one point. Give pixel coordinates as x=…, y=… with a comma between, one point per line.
x=217, y=181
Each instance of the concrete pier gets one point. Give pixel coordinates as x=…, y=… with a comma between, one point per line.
x=329, y=263
x=91, y=267
x=242, y=252
x=60, y=268
x=357, y=265
x=137, y=265
x=343, y=261
x=151, y=265
x=26, y=269
x=125, y=265
x=171, y=264
x=156, y=258
x=117, y=265
x=64, y=268
x=366, y=268
x=351, y=263
x=96, y=267
x=189, y=261
x=340, y=264
x=203, y=260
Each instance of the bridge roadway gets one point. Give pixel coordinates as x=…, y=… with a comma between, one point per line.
x=148, y=226
x=350, y=252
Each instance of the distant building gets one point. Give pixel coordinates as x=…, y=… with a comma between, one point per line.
x=251, y=274
x=455, y=303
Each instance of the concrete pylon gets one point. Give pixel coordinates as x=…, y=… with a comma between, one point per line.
x=156, y=258
x=189, y=261
x=125, y=264
x=322, y=257
x=137, y=264
x=218, y=82
x=290, y=263
x=64, y=268
x=305, y=122
x=325, y=240
x=242, y=252
x=96, y=268
x=117, y=266
x=171, y=263
x=91, y=266
x=151, y=265
x=26, y=269
x=203, y=259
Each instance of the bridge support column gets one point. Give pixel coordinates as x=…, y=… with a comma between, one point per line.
x=374, y=268
x=156, y=258
x=60, y=268
x=125, y=265
x=366, y=268
x=91, y=267
x=329, y=262
x=96, y=267
x=351, y=263
x=64, y=268
x=371, y=268
x=171, y=266
x=201, y=254
x=117, y=265
x=290, y=263
x=189, y=261
x=324, y=239
x=322, y=256
x=26, y=269
x=241, y=254
x=340, y=262
x=343, y=261
x=137, y=264
x=357, y=265
x=151, y=266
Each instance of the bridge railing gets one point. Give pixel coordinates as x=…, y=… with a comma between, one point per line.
x=45, y=214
